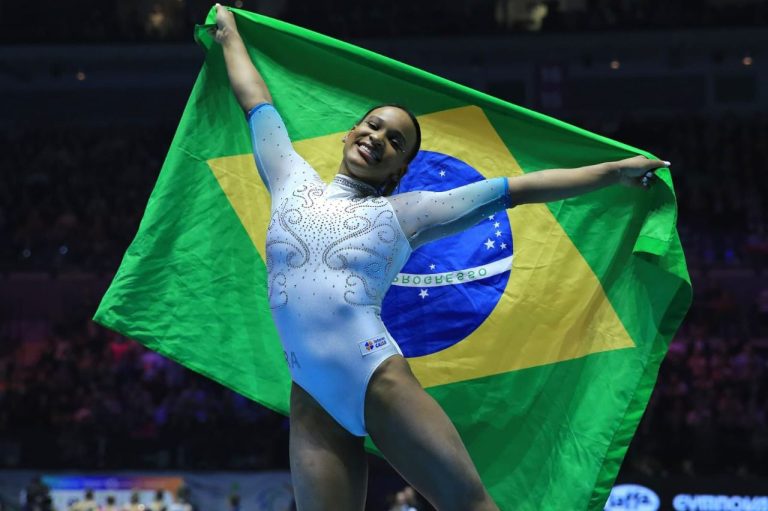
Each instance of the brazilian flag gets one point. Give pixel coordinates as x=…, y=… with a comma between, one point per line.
x=540, y=331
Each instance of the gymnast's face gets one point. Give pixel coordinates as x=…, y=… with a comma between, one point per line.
x=376, y=149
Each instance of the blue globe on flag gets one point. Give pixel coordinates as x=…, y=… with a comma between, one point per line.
x=448, y=287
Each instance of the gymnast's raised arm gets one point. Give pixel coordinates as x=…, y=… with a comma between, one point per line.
x=247, y=83
x=281, y=169
x=557, y=184
x=427, y=216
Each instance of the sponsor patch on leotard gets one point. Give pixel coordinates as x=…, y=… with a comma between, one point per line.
x=373, y=344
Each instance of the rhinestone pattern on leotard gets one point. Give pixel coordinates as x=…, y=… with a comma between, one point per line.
x=341, y=236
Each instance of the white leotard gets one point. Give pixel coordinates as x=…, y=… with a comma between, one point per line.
x=332, y=253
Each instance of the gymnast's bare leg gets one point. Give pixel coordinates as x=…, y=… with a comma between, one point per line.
x=419, y=440
x=329, y=466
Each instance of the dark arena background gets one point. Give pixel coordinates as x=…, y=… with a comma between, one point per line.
x=92, y=91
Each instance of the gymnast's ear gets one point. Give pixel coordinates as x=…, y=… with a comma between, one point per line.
x=348, y=132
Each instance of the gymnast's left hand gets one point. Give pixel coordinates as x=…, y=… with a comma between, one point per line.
x=638, y=171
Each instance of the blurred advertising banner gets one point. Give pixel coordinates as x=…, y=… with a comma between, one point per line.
x=67, y=489
x=204, y=491
x=690, y=493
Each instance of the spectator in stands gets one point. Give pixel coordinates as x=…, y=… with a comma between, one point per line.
x=88, y=503
x=159, y=503
x=110, y=505
x=180, y=502
x=37, y=495
x=134, y=503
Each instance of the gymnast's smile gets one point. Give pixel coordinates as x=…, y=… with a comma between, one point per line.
x=378, y=148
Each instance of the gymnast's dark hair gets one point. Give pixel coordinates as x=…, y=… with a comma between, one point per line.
x=389, y=188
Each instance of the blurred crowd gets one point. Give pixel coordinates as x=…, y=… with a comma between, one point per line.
x=66, y=205
x=709, y=410
x=77, y=395
x=173, y=20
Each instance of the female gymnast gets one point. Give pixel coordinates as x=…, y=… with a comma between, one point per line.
x=332, y=253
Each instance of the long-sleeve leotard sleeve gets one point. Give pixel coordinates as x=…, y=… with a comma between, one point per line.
x=426, y=216
x=280, y=166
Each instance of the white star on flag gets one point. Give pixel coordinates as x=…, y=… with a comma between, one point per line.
x=503, y=245
x=498, y=233
x=496, y=224
x=423, y=293
x=491, y=217
x=442, y=173
x=489, y=244
x=431, y=266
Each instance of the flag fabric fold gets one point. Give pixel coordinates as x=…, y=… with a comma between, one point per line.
x=539, y=331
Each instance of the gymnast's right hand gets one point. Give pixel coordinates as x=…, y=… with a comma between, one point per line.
x=247, y=83
x=226, y=28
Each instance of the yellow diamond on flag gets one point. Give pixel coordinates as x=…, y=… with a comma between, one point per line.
x=553, y=308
